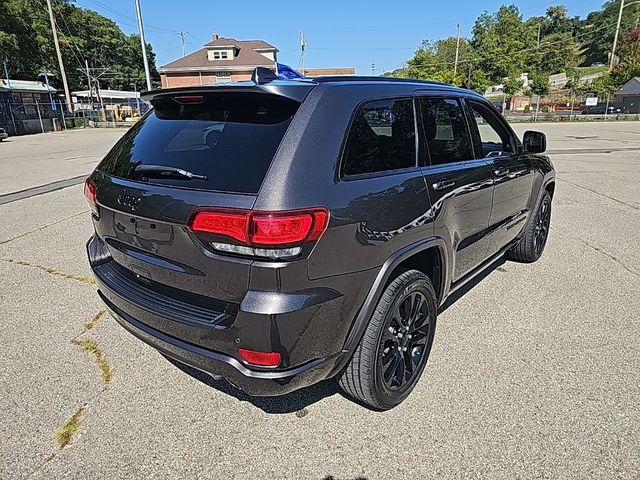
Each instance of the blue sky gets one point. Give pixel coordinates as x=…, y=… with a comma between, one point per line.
x=338, y=33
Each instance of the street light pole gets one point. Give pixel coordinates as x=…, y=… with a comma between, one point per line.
x=144, y=45
x=46, y=74
x=135, y=90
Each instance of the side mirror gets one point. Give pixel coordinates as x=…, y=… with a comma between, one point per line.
x=534, y=142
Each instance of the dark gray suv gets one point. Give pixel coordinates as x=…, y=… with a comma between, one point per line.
x=278, y=233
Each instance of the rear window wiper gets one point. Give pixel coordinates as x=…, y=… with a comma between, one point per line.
x=165, y=171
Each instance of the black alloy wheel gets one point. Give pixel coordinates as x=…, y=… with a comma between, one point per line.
x=395, y=347
x=542, y=226
x=404, y=341
x=535, y=234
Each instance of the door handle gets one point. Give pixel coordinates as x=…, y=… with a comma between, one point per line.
x=443, y=184
x=501, y=172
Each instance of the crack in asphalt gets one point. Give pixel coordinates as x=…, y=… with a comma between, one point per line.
x=621, y=202
x=88, y=401
x=599, y=250
x=11, y=239
x=53, y=271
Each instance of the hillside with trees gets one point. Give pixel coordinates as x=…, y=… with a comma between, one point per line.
x=26, y=44
x=503, y=45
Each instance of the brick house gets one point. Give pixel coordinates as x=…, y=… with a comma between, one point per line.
x=221, y=60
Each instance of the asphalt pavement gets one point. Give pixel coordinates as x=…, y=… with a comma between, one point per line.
x=535, y=371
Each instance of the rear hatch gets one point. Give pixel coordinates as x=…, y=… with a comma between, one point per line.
x=196, y=148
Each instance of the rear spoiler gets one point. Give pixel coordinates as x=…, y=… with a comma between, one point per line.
x=292, y=89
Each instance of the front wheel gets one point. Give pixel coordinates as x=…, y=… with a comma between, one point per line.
x=531, y=245
x=395, y=347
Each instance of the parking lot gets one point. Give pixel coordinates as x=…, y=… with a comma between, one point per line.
x=535, y=371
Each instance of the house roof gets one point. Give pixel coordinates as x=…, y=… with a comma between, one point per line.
x=25, y=86
x=246, y=55
x=632, y=87
x=105, y=93
x=223, y=42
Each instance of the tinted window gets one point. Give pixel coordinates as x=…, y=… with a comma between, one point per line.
x=231, y=139
x=382, y=138
x=489, y=135
x=445, y=130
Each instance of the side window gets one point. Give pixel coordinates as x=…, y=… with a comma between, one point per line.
x=382, y=138
x=445, y=130
x=489, y=135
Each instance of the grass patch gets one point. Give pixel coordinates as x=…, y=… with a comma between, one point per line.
x=66, y=432
x=92, y=323
x=591, y=70
x=90, y=346
x=53, y=271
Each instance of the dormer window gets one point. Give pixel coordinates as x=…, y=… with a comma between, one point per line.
x=227, y=52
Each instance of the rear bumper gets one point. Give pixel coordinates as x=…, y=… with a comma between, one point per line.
x=257, y=383
x=307, y=327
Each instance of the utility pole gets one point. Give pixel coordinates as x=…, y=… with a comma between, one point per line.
x=539, y=27
x=373, y=69
x=181, y=35
x=615, y=38
x=86, y=65
x=59, y=54
x=455, y=64
x=303, y=45
x=144, y=45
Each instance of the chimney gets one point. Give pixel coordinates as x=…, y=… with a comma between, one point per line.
x=214, y=36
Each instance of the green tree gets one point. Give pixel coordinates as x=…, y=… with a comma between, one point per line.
x=26, y=41
x=558, y=51
x=504, y=43
x=598, y=29
x=434, y=60
x=629, y=53
x=539, y=86
x=603, y=86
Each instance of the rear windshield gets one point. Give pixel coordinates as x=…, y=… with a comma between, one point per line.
x=226, y=140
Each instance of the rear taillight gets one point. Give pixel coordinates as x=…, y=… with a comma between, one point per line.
x=261, y=359
x=276, y=235
x=90, y=193
x=226, y=224
x=264, y=229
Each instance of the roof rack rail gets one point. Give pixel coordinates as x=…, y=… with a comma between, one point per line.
x=358, y=78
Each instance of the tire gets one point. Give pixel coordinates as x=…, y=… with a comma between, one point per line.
x=531, y=245
x=381, y=374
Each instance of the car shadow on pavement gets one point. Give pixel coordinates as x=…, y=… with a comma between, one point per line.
x=496, y=265
x=296, y=401
x=289, y=403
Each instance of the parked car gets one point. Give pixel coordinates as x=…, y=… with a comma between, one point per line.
x=3, y=134
x=601, y=108
x=320, y=232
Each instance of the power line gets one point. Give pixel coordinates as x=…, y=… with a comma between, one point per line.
x=131, y=20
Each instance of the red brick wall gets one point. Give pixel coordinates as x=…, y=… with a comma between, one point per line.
x=169, y=80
